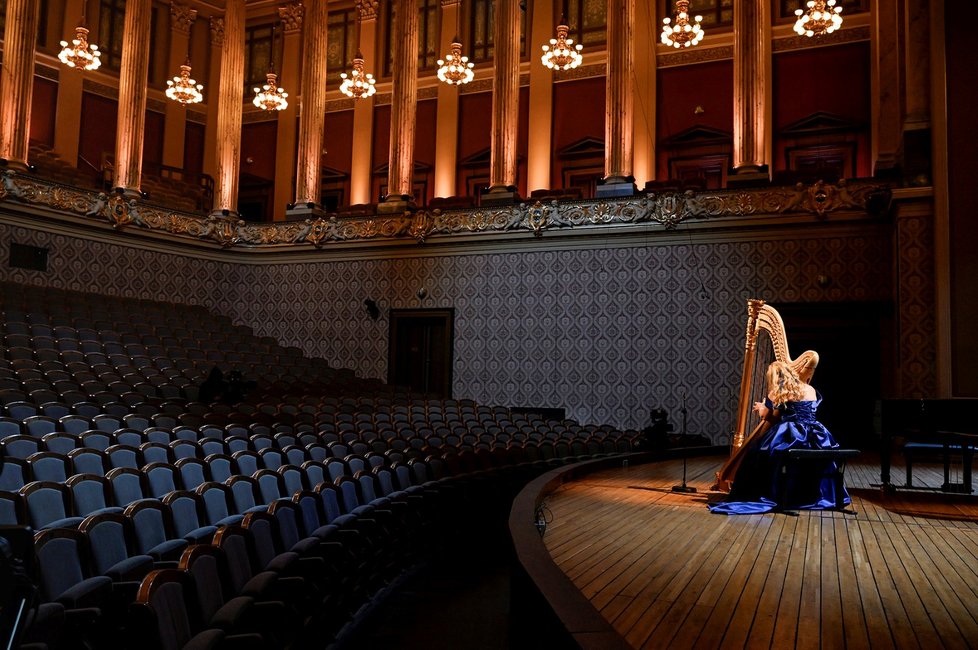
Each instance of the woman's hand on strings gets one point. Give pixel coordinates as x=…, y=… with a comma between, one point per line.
x=761, y=410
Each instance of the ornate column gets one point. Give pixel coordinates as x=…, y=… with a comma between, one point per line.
x=313, y=111
x=505, y=104
x=182, y=19
x=643, y=147
x=291, y=67
x=752, y=91
x=229, y=103
x=446, y=135
x=404, y=105
x=17, y=81
x=619, y=101
x=539, y=150
x=210, y=98
x=133, y=78
x=361, y=164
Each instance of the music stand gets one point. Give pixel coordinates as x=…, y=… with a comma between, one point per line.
x=685, y=489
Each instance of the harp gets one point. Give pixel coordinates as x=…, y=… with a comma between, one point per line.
x=765, y=342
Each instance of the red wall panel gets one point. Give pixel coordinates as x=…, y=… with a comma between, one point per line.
x=796, y=96
x=153, y=141
x=44, y=104
x=258, y=144
x=338, y=141
x=193, y=148
x=382, y=136
x=679, y=91
x=98, y=121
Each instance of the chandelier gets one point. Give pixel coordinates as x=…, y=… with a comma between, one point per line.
x=79, y=53
x=562, y=54
x=822, y=17
x=358, y=84
x=682, y=33
x=183, y=89
x=270, y=97
x=455, y=69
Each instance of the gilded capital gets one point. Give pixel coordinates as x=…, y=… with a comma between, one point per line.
x=291, y=15
x=450, y=3
x=367, y=9
x=182, y=18
x=217, y=32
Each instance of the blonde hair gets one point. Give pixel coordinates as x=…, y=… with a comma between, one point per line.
x=783, y=384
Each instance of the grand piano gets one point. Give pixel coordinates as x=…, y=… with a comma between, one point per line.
x=930, y=428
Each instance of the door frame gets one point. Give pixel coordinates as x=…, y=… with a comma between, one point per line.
x=447, y=314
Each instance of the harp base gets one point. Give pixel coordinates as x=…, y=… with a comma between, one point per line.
x=685, y=489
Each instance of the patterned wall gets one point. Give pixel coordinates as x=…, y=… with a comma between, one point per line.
x=915, y=307
x=606, y=333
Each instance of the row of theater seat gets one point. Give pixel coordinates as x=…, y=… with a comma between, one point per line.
x=382, y=509
x=301, y=501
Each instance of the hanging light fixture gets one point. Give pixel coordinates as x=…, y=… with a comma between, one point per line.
x=822, y=17
x=456, y=69
x=271, y=97
x=79, y=53
x=358, y=84
x=679, y=32
x=561, y=53
x=183, y=89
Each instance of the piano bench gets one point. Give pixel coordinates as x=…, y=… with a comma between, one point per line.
x=838, y=456
x=951, y=444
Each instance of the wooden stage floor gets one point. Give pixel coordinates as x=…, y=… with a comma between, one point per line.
x=665, y=572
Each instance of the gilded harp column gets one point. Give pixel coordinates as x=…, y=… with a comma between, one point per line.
x=133, y=77
x=404, y=105
x=505, y=104
x=16, y=87
x=619, y=118
x=230, y=96
x=752, y=91
x=312, y=113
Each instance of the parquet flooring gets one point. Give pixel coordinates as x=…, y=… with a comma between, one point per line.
x=666, y=573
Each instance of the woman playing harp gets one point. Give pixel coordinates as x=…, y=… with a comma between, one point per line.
x=787, y=421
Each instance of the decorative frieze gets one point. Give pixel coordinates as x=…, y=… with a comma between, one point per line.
x=838, y=37
x=690, y=56
x=662, y=210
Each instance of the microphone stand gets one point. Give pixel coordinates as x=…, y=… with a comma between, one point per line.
x=685, y=489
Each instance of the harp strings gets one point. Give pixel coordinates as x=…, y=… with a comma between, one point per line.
x=763, y=356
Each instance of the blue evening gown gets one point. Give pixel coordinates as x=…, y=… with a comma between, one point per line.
x=809, y=487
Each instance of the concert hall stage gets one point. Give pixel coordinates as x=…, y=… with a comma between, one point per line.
x=665, y=572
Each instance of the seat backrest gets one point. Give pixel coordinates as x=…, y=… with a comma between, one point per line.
x=13, y=509
x=248, y=462
x=110, y=539
x=49, y=466
x=187, y=510
x=123, y=455
x=152, y=523
x=85, y=460
x=20, y=446
x=220, y=466
x=207, y=567
x=128, y=485
x=166, y=610
x=245, y=493
x=161, y=478
x=63, y=560
x=218, y=501
x=47, y=502
x=89, y=493
x=193, y=472
x=236, y=543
